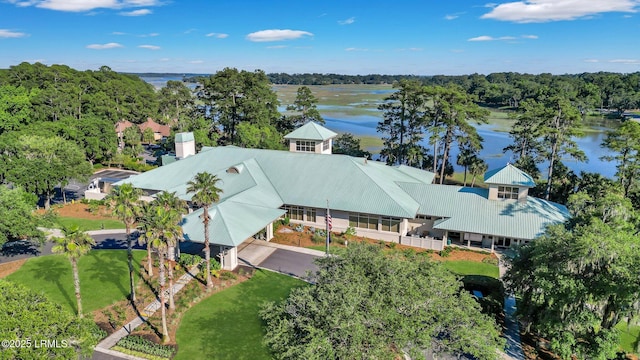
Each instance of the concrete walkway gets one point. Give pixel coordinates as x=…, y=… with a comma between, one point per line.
x=105, y=345
x=513, y=350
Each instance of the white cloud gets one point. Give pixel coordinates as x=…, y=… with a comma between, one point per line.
x=104, y=46
x=277, y=47
x=85, y=5
x=149, y=35
x=591, y=60
x=277, y=35
x=528, y=11
x=196, y=62
x=140, y=12
x=450, y=17
x=218, y=35
x=5, y=33
x=348, y=21
x=355, y=49
x=625, y=61
x=482, y=38
x=164, y=59
x=501, y=38
x=149, y=47
x=118, y=33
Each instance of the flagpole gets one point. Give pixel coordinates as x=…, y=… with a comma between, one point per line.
x=328, y=215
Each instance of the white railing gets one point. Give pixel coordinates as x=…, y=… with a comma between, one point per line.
x=426, y=242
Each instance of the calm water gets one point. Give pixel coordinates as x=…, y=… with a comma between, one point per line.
x=494, y=141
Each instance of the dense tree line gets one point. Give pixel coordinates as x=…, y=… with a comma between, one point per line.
x=611, y=92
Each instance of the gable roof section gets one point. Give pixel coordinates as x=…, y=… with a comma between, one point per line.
x=311, y=131
x=509, y=175
x=122, y=125
x=164, y=130
x=468, y=210
x=184, y=137
x=231, y=222
x=304, y=179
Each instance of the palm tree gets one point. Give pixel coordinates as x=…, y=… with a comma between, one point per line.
x=145, y=226
x=123, y=201
x=206, y=193
x=153, y=227
x=169, y=226
x=74, y=244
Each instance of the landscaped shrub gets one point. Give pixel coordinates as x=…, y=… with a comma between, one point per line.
x=351, y=231
x=337, y=239
x=299, y=228
x=492, y=290
x=228, y=275
x=491, y=260
x=188, y=260
x=312, y=229
x=285, y=221
x=137, y=343
x=392, y=245
x=317, y=239
x=321, y=233
x=446, y=252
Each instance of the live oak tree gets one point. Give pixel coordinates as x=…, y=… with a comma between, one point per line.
x=176, y=102
x=378, y=307
x=39, y=164
x=580, y=279
x=17, y=221
x=29, y=315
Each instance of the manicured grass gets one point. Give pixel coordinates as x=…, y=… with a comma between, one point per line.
x=226, y=325
x=370, y=141
x=464, y=267
x=104, y=278
x=628, y=339
x=90, y=224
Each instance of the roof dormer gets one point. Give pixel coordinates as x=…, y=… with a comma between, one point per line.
x=311, y=138
x=508, y=183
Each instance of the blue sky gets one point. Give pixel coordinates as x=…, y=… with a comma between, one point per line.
x=425, y=37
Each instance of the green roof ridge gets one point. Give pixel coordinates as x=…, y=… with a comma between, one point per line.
x=509, y=175
x=311, y=131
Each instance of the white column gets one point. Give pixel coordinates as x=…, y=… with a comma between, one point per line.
x=444, y=239
x=492, y=242
x=229, y=258
x=269, y=231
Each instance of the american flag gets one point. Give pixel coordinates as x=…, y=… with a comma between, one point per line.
x=329, y=221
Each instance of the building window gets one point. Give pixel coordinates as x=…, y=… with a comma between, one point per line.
x=423, y=217
x=294, y=212
x=363, y=221
x=311, y=215
x=326, y=145
x=390, y=224
x=508, y=192
x=305, y=146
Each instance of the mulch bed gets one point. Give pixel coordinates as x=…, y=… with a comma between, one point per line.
x=10, y=267
x=287, y=236
x=80, y=210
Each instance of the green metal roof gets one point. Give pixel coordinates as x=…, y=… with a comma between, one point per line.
x=311, y=131
x=469, y=210
x=509, y=175
x=184, y=137
x=231, y=222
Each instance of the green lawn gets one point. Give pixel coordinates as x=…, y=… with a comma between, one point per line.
x=464, y=267
x=104, y=278
x=89, y=224
x=226, y=325
x=628, y=339
x=458, y=178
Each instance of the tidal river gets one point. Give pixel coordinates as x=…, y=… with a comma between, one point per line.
x=358, y=115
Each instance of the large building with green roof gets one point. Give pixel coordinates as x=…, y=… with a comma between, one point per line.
x=391, y=203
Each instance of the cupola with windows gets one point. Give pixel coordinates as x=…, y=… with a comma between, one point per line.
x=508, y=183
x=311, y=138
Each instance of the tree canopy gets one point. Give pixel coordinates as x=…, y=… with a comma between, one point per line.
x=579, y=280
x=27, y=315
x=17, y=221
x=378, y=307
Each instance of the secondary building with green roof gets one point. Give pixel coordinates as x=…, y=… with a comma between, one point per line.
x=391, y=203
